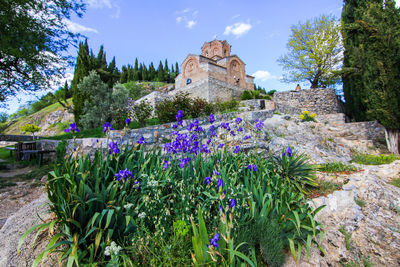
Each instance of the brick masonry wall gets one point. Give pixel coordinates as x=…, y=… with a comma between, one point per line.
x=320, y=101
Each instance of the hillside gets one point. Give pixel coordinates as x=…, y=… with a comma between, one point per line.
x=52, y=120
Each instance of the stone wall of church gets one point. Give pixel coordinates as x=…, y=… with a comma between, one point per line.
x=316, y=100
x=212, y=90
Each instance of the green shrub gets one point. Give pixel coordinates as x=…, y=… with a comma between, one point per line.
x=332, y=167
x=224, y=107
x=167, y=109
x=295, y=169
x=30, y=128
x=246, y=95
x=119, y=105
x=139, y=112
x=269, y=244
x=368, y=159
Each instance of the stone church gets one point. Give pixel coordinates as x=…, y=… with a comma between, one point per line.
x=215, y=75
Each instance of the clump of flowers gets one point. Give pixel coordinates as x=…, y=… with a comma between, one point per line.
x=123, y=174
x=72, y=128
x=113, y=249
x=306, y=116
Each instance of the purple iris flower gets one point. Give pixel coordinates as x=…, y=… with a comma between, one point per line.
x=165, y=164
x=233, y=133
x=72, y=128
x=288, y=152
x=212, y=118
x=252, y=167
x=233, y=203
x=136, y=185
x=179, y=115
x=237, y=149
x=259, y=125
x=220, y=184
x=209, y=141
x=124, y=174
x=214, y=241
x=240, y=129
x=107, y=127
x=184, y=162
x=113, y=148
x=174, y=126
x=221, y=145
x=212, y=128
x=220, y=208
x=247, y=137
x=127, y=121
x=141, y=140
x=207, y=180
x=216, y=173
x=238, y=120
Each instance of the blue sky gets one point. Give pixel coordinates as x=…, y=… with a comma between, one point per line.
x=153, y=30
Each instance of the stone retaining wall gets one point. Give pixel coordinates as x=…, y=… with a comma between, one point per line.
x=320, y=101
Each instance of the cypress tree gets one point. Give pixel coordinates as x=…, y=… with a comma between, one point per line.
x=82, y=68
x=176, y=69
x=373, y=43
x=167, y=74
x=160, y=72
x=124, y=75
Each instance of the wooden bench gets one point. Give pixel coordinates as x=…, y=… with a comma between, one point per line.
x=27, y=154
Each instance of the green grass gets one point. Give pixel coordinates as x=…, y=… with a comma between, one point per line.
x=91, y=133
x=35, y=118
x=368, y=159
x=324, y=188
x=347, y=237
x=395, y=182
x=360, y=202
x=333, y=167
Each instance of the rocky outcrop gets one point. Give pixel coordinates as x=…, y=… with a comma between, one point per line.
x=33, y=213
x=356, y=234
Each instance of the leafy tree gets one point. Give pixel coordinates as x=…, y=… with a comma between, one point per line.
x=85, y=63
x=3, y=117
x=140, y=111
x=34, y=36
x=62, y=95
x=376, y=62
x=315, y=52
x=30, y=128
x=96, y=109
x=119, y=105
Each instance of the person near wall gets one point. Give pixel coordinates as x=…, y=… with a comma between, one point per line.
x=298, y=88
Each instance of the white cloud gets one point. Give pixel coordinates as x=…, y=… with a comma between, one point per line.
x=235, y=16
x=78, y=28
x=99, y=3
x=190, y=24
x=397, y=3
x=110, y=4
x=117, y=12
x=263, y=75
x=238, y=29
x=186, y=17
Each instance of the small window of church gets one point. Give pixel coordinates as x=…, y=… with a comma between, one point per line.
x=225, y=53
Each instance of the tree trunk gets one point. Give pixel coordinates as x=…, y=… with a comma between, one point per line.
x=392, y=140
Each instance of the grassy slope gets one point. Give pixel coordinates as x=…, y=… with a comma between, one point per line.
x=35, y=118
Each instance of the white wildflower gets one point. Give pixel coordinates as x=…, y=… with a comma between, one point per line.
x=142, y=215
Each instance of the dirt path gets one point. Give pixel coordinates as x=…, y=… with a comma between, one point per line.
x=16, y=191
